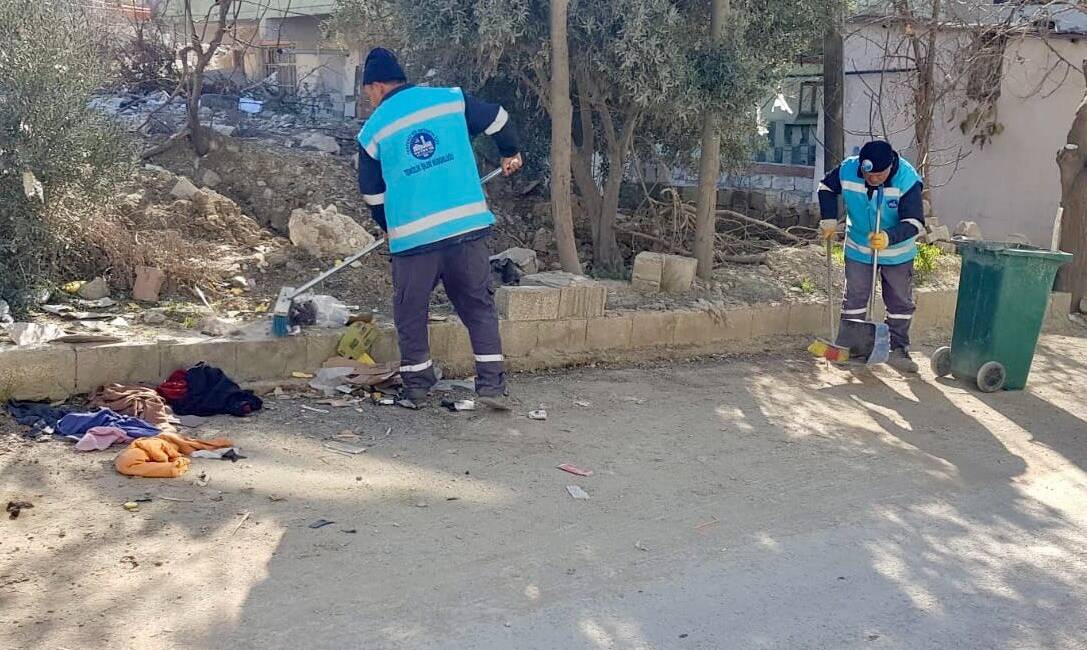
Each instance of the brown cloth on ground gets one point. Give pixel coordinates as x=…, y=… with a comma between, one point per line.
x=137, y=401
x=162, y=456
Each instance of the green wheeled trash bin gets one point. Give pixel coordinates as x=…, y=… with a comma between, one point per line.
x=1003, y=296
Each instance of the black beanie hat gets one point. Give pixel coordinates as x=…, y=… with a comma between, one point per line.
x=381, y=65
x=879, y=154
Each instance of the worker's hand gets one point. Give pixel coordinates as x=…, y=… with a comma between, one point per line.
x=878, y=241
x=828, y=228
x=512, y=165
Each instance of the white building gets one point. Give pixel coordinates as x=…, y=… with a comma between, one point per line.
x=1003, y=175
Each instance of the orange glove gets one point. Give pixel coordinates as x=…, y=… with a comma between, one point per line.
x=828, y=228
x=878, y=241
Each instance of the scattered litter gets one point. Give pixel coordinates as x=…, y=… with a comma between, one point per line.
x=94, y=290
x=346, y=434
x=337, y=403
x=421, y=504
x=101, y=303
x=345, y=448
x=176, y=499
x=302, y=375
x=315, y=410
x=245, y=517
x=575, y=470
x=576, y=492
x=452, y=498
x=203, y=479
x=357, y=342
x=459, y=405
x=706, y=524
x=538, y=415
x=227, y=453
x=435, y=318
x=34, y=333
x=320, y=523
x=144, y=499
x=16, y=507
x=381, y=400
x=641, y=547
x=346, y=389
x=275, y=499
x=328, y=380
x=131, y=506
x=635, y=400
x=583, y=404
x=191, y=421
x=350, y=531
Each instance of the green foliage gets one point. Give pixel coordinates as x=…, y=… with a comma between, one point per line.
x=837, y=254
x=925, y=262
x=50, y=64
x=806, y=285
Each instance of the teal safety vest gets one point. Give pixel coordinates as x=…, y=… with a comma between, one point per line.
x=432, y=190
x=861, y=212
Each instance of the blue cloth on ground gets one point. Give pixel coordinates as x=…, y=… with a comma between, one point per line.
x=76, y=424
x=41, y=417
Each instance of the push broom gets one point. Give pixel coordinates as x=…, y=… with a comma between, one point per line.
x=281, y=315
x=825, y=348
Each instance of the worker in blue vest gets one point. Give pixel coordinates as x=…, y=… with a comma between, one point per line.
x=418, y=175
x=878, y=174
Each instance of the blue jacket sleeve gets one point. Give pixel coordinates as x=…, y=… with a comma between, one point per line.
x=372, y=186
x=493, y=120
x=829, y=190
x=911, y=216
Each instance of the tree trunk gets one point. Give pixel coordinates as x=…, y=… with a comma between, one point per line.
x=833, y=98
x=1072, y=162
x=562, y=118
x=606, y=254
x=709, y=166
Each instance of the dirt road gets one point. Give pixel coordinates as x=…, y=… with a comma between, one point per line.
x=761, y=502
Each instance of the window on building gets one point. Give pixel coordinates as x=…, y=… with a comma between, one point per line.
x=280, y=62
x=809, y=99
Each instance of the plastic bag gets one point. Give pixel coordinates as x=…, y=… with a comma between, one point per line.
x=329, y=312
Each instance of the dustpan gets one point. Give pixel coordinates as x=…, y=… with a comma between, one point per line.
x=867, y=339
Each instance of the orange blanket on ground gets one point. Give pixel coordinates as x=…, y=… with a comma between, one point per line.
x=137, y=401
x=162, y=456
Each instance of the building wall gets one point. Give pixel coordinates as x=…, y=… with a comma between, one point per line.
x=1010, y=185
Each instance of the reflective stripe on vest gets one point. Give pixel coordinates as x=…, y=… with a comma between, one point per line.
x=432, y=192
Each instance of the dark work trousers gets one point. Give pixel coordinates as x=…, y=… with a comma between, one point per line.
x=897, y=281
x=465, y=270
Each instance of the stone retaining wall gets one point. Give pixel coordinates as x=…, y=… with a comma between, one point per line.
x=59, y=371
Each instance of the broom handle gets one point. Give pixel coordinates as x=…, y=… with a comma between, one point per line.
x=875, y=255
x=830, y=290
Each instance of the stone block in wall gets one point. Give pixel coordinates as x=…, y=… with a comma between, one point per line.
x=741, y=200
x=527, y=303
x=37, y=373
x=782, y=183
x=758, y=203
x=724, y=198
x=806, y=185
x=762, y=181
x=678, y=273
x=648, y=271
x=609, y=333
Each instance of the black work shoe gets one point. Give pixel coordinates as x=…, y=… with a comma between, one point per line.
x=900, y=360
x=498, y=401
x=413, y=401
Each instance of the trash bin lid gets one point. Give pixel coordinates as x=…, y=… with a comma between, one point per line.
x=1015, y=249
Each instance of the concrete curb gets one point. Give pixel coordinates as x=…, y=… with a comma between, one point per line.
x=58, y=371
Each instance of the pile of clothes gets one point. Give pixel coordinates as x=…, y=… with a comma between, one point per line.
x=144, y=418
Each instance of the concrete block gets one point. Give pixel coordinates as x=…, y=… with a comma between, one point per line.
x=648, y=272
x=653, y=329
x=387, y=347
x=769, y=320
x=1060, y=306
x=37, y=373
x=178, y=356
x=528, y=303
x=122, y=364
x=583, y=301
x=561, y=336
x=321, y=346
x=938, y=233
x=678, y=273
x=935, y=309
x=808, y=319
x=697, y=328
x=610, y=333
x=519, y=338
x=450, y=344
x=270, y=358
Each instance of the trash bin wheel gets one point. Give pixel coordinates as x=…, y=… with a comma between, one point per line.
x=991, y=377
x=941, y=362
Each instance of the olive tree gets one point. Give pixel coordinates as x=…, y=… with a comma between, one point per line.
x=51, y=144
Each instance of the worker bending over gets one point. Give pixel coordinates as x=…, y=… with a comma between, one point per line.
x=418, y=175
x=862, y=180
